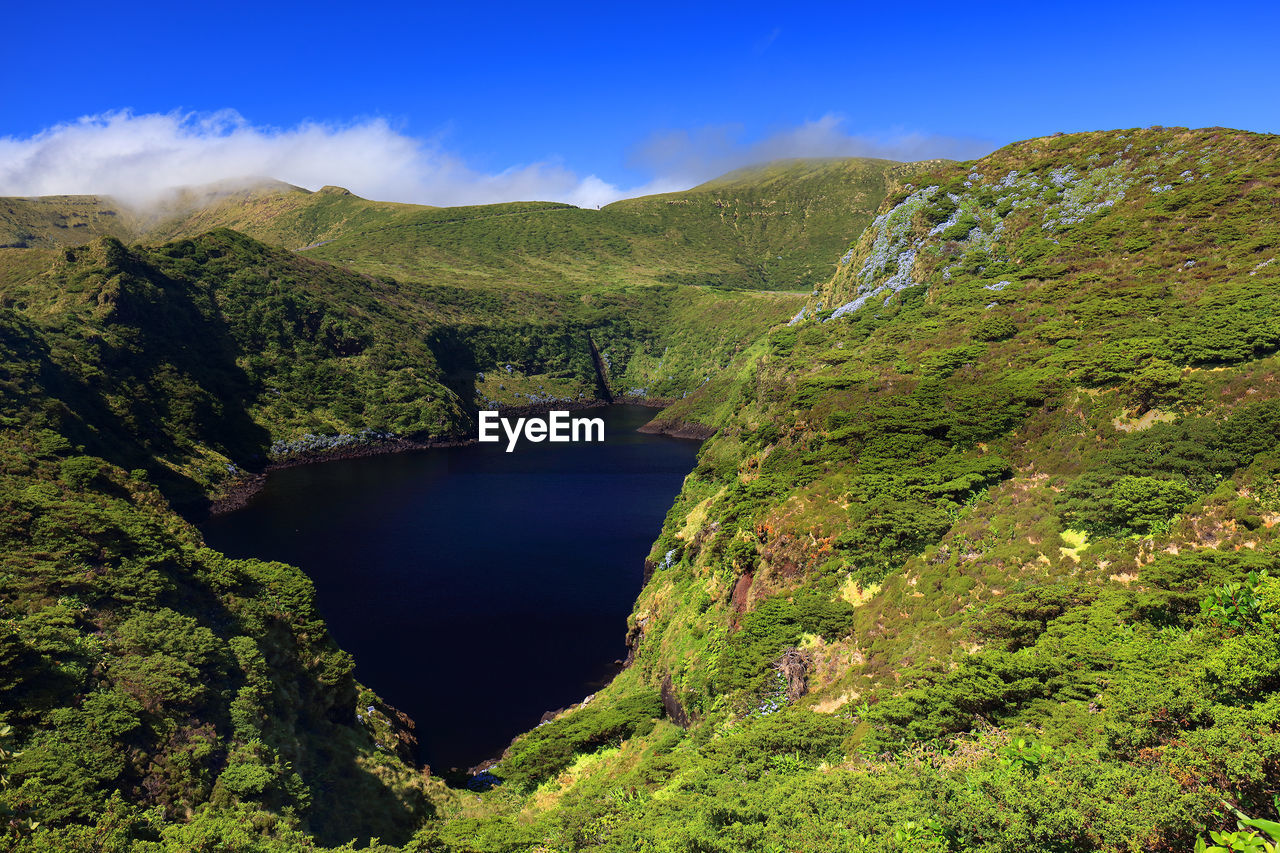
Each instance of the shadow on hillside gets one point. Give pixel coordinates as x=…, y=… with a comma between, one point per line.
x=162, y=379
x=352, y=804
x=310, y=720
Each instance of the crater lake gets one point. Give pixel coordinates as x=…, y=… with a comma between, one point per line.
x=477, y=589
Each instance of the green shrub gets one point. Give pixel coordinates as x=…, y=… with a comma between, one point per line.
x=1017, y=619
x=1235, y=605
x=994, y=329
x=773, y=625
x=960, y=230
x=940, y=210
x=552, y=747
x=79, y=471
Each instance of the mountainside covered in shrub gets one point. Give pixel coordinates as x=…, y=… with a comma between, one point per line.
x=983, y=554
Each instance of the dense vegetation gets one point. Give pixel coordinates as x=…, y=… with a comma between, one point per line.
x=983, y=554
x=188, y=359
x=149, y=677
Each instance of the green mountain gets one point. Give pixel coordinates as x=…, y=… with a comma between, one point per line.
x=62, y=220
x=667, y=287
x=773, y=227
x=982, y=554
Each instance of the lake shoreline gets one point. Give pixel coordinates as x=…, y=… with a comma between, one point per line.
x=238, y=492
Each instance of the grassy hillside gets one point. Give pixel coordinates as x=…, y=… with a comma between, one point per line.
x=191, y=359
x=789, y=219
x=273, y=212
x=63, y=220
x=773, y=227
x=770, y=228
x=204, y=358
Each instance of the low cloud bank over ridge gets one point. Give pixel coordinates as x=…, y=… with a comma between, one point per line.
x=137, y=158
x=686, y=157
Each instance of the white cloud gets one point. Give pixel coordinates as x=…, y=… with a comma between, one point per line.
x=691, y=157
x=139, y=157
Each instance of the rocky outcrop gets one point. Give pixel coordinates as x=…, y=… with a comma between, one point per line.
x=679, y=429
x=741, y=593
x=635, y=634
x=794, y=665
x=671, y=704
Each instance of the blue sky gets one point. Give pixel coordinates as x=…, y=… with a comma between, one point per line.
x=475, y=101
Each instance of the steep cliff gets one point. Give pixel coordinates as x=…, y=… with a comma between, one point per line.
x=1007, y=488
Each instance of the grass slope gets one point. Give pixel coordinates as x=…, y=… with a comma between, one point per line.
x=275, y=213
x=773, y=227
x=524, y=287
x=63, y=220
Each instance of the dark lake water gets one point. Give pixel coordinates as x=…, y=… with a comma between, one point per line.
x=476, y=588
